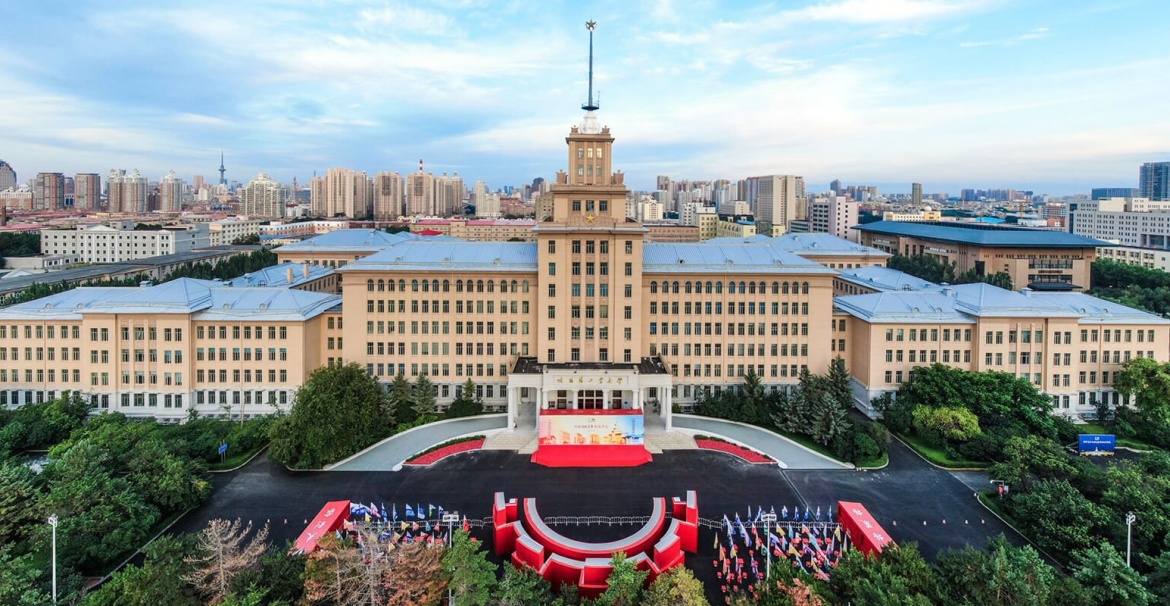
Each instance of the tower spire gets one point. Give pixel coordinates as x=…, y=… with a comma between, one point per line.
x=222, y=170
x=591, y=105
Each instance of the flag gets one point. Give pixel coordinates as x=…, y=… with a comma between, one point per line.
x=759, y=513
x=784, y=512
x=730, y=528
x=430, y=509
x=409, y=511
x=466, y=525
x=428, y=526
x=716, y=545
x=394, y=511
x=422, y=513
x=441, y=511
x=374, y=511
x=818, y=512
x=806, y=514
x=796, y=512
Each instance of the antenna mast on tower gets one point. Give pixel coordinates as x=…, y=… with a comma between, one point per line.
x=591, y=105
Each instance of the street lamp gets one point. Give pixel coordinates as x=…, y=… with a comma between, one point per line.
x=451, y=588
x=53, y=523
x=1130, y=518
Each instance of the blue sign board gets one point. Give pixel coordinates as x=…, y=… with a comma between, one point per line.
x=222, y=448
x=1097, y=443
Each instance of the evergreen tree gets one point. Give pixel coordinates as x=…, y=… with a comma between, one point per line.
x=467, y=403
x=839, y=384
x=471, y=576
x=424, y=396
x=402, y=400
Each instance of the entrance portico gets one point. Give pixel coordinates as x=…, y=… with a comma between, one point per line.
x=534, y=388
x=589, y=413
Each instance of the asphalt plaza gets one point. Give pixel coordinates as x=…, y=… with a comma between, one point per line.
x=913, y=500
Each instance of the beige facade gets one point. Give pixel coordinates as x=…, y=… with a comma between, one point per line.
x=477, y=230
x=1045, y=261
x=734, y=229
x=161, y=351
x=1070, y=346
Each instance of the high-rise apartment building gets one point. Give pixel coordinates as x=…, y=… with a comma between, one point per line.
x=1101, y=193
x=49, y=191
x=449, y=194
x=87, y=191
x=171, y=190
x=7, y=176
x=342, y=192
x=263, y=196
x=420, y=193
x=778, y=200
x=1154, y=181
x=126, y=193
x=916, y=194
x=388, y=196
x=836, y=215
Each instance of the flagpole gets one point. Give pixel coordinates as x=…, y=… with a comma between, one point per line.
x=768, y=519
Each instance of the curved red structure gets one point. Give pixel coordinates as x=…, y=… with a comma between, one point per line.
x=656, y=547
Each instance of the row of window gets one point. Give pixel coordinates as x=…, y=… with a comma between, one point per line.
x=737, y=370
x=247, y=376
x=40, y=332
x=478, y=369
x=246, y=331
x=428, y=328
x=151, y=355
x=716, y=308
x=778, y=329
x=39, y=353
x=444, y=307
x=590, y=333
x=733, y=287
x=576, y=244
x=920, y=334
x=237, y=397
x=40, y=375
x=417, y=285
x=744, y=350
x=246, y=354
x=142, y=378
x=144, y=333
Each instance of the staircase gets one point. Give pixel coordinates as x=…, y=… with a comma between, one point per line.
x=523, y=442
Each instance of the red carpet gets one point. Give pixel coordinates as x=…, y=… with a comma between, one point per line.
x=592, y=456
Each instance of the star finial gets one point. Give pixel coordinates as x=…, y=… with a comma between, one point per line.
x=591, y=25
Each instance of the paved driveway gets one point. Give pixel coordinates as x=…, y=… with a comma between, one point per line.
x=793, y=455
x=384, y=455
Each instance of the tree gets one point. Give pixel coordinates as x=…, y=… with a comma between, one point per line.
x=467, y=403
x=900, y=577
x=945, y=424
x=1059, y=517
x=158, y=582
x=101, y=516
x=1102, y=571
x=20, y=502
x=416, y=576
x=20, y=579
x=676, y=587
x=1158, y=578
x=402, y=400
x=424, y=396
x=170, y=481
x=753, y=400
x=280, y=574
x=250, y=239
x=1030, y=458
x=1149, y=381
x=339, y=411
x=829, y=419
x=839, y=384
x=1001, y=575
x=522, y=586
x=625, y=583
x=221, y=553
x=471, y=576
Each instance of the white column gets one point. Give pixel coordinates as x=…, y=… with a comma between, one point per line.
x=511, y=408
x=666, y=409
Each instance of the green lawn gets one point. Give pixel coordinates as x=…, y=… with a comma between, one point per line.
x=938, y=456
x=807, y=442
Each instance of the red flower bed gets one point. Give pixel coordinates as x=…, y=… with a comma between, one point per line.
x=435, y=456
x=750, y=456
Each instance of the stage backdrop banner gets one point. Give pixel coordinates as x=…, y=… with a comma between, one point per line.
x=592, y=430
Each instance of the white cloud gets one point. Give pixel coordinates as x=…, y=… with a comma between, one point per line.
x=885, y=11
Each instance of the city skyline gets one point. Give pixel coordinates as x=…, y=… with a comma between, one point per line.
x=952, y=94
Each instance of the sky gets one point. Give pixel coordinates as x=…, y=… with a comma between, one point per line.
x=1055, y=96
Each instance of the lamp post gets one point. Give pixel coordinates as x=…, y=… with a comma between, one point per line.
x=1130, y=518
x=53, y=523
x=451, y=588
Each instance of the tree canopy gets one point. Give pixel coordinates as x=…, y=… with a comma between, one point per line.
x=339, y=411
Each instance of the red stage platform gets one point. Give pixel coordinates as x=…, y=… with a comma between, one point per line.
x=587, y=455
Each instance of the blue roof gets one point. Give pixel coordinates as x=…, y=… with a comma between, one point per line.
x=451, y=254
x=351, y=239
x=277, y=275
x=206, y=299
x=981, y=234
x=811, y=243
x=963, y=302
x=721, y=256
x=903, y=307
x=885, y=279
